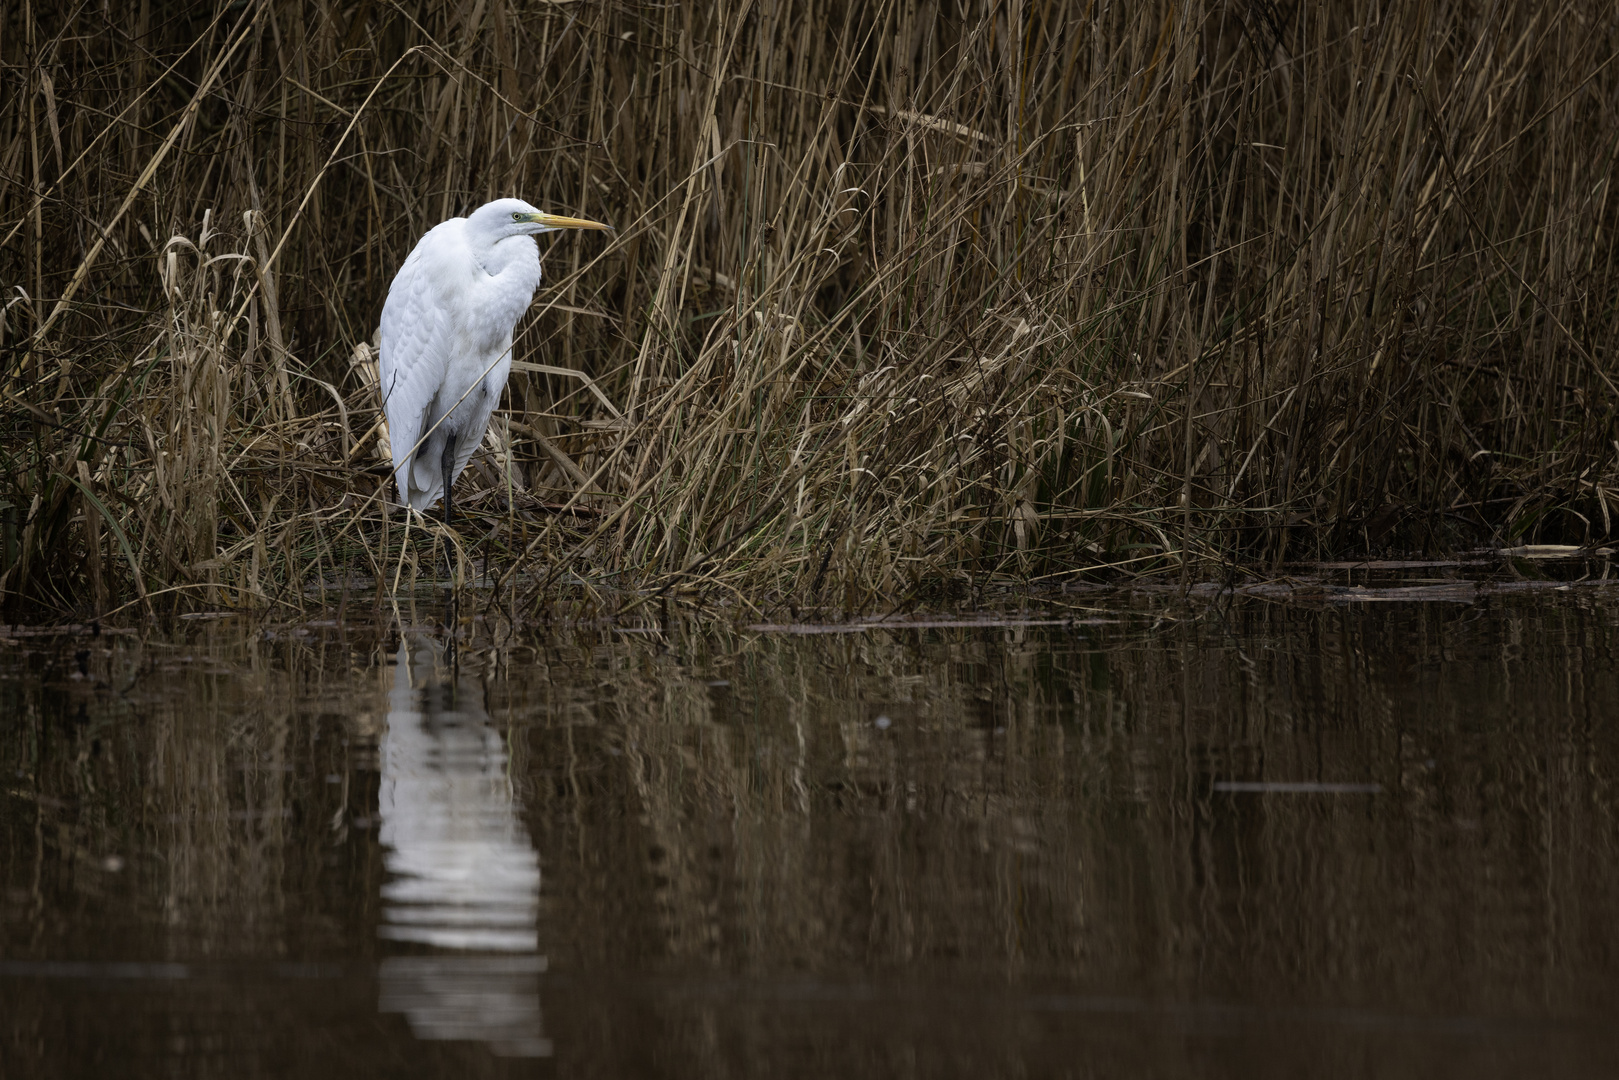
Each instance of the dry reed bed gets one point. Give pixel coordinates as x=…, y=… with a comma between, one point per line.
x=902, y=294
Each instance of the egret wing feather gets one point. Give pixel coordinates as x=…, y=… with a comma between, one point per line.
x=418, y=343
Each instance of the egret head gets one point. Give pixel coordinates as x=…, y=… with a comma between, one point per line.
x=514, y=217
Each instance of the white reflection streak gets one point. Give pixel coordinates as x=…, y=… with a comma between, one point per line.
x=464, y=874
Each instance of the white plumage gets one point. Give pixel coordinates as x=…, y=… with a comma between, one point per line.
x=447, y=339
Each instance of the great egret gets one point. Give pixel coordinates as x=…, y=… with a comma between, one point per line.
x=447, y=339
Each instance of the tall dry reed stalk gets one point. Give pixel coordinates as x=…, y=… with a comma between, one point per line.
x=902, y=293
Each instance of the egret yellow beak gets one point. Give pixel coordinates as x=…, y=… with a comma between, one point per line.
x=556, y=221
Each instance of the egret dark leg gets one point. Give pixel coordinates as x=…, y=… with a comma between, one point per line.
x=448, y=463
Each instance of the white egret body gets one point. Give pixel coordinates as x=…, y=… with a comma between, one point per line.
x=447, y=339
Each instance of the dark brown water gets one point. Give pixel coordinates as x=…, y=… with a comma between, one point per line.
x=1354, y=839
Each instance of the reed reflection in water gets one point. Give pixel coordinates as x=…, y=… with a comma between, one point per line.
x=465, y=876
x=1265, y=841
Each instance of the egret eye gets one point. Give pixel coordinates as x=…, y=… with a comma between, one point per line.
x=517, y=217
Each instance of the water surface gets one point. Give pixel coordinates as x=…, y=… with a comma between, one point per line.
x=1195, y=839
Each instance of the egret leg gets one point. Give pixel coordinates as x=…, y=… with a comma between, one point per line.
x=448, y=463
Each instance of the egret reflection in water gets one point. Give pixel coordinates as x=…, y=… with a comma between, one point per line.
x=464, y=876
